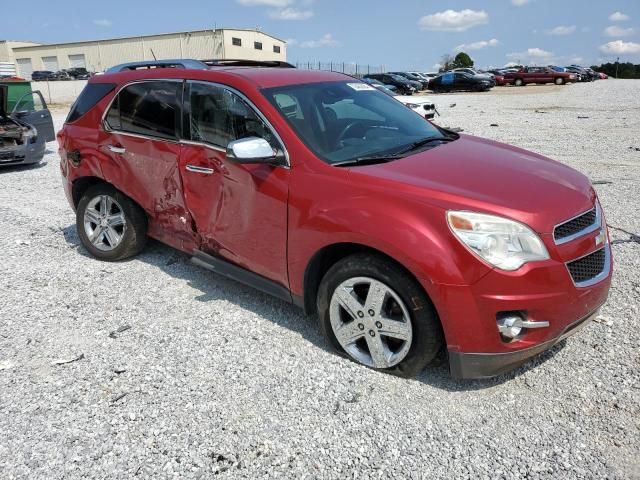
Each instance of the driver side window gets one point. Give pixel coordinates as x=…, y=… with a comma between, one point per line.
x=218, y=116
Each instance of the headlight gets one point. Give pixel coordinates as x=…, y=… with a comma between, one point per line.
x=30, y=136
x=503, y=243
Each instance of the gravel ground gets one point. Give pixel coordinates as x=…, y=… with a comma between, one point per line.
x=215, y=378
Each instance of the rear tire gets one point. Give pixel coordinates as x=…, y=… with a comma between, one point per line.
x=374, y=313
x=110, y=225
x=559, y=81
x=519, y=82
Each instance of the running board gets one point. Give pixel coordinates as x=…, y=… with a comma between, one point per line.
x=242, y=275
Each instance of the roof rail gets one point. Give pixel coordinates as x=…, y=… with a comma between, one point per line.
x=183, y=63
x=231, y=62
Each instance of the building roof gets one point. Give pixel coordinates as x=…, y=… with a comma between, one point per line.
x=132, y=37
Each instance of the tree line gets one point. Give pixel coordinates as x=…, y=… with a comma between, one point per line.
x=625, y=70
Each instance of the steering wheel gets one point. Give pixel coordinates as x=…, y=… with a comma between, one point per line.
x=349, y=128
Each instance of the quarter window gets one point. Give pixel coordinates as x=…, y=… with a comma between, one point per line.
x=219, y=116
x=148, y=108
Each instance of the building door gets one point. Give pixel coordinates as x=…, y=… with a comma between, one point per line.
x=50, y=63
x=77, y=61
x=24, y=68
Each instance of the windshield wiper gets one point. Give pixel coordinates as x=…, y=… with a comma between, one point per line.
x=369, y=160
x=424, y=141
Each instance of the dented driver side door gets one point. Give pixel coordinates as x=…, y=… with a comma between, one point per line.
x=239, y=210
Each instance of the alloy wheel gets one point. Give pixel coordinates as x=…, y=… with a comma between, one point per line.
x=104, y=222
x=371, y=322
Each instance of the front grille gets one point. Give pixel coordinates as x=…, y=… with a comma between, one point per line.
x=589, y=267
x=575, y=225
x=10, y=157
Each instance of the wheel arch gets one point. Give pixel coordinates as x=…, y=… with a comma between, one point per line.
x=81, y=185
x=327, y=256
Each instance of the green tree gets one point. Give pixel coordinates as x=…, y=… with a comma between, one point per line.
x=462, y=60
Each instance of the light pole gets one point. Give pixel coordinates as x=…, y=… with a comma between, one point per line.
x=617, y=61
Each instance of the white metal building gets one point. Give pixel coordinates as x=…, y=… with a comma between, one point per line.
x=99, y=55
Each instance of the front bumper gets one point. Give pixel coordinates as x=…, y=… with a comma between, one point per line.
x=485, y=365
x=24, y=154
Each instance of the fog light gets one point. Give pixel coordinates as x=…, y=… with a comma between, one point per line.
x=510, y=327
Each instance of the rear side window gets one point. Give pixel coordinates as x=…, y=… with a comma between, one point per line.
x=90, y=96
x=148, y=108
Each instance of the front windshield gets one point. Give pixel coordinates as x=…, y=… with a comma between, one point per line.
x=340, y=121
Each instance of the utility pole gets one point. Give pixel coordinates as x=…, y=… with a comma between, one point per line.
x=617, y=61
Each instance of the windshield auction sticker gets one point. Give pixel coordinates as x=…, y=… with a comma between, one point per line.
x=360, y=86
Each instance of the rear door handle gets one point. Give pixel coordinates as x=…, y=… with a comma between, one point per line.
x=196, y=169
x=115, y=149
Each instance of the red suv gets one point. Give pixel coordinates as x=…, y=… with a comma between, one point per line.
x=404, y=237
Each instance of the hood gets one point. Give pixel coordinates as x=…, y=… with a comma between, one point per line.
x=486, y=176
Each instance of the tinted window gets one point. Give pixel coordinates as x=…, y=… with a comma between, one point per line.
x=92, y=94
x=344, y=120
x=219, y=116
x=236, y=41
x=276, y=49
x=257, y=45
x=149, y=108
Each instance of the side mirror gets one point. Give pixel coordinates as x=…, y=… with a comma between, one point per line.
x=253, y=150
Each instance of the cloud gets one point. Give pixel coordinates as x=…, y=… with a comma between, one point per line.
x=290, y=14
x=618, y=47
x=531, y=55
x=520, y=3
x=103, y=22
x=453, y=21
x=615, y=31
x=477, y=45
x=327, y=40
x=265, y=3
x=619, y=17
x=562, y=30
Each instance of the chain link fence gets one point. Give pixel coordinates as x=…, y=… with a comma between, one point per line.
x=343, y=67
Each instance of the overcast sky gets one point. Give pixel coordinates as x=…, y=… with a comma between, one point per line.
x=400, y=34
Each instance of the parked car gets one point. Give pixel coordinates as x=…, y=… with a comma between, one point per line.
x=538, y=75
x=405, y=238
x=61, y=75
x=41, y=75
x=25, y=131
x=603, y=76
x=419, y=83
x=420, y=104
x=404, y=86
x=458, y=81
x=582, y=75
x=78, y=73
x=478, y=73
x=377, y=84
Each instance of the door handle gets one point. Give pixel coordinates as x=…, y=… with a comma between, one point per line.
x=196, y=169
x=115, y=149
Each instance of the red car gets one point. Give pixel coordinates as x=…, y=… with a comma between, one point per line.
x=539, y=75
x=404, y=237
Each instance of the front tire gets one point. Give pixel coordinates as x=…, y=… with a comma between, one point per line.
x=373, y=312
x=559, y=81
x=110, y=225
x=519, y=82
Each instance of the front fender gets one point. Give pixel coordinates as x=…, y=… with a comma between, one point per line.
x=412, y=232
